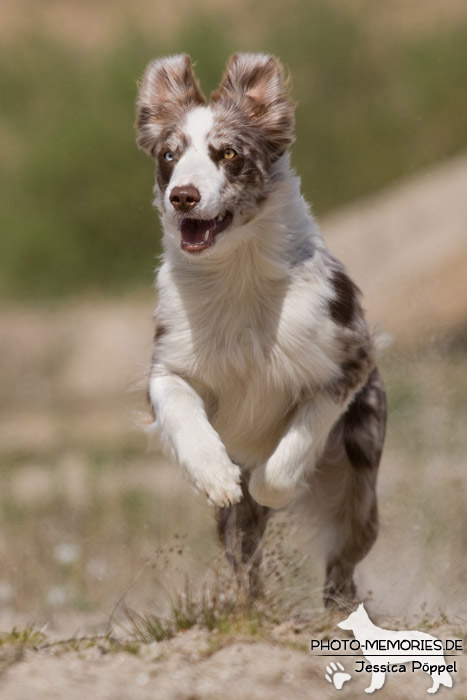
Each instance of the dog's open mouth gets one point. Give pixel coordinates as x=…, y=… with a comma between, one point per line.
x=199, y=234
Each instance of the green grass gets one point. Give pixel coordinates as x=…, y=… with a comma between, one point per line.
x=75, y=210
x=219, y=606
x=25, y=637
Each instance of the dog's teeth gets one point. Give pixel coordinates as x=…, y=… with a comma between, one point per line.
x=206, y=236
x=219, y=218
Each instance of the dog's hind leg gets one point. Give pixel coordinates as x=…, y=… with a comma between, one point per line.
x=240, y=529
x=346, y=489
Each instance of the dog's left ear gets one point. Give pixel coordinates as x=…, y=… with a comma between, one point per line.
x=256, y=82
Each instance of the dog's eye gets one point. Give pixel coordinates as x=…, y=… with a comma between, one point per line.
x=168, y=155
x=229, y=153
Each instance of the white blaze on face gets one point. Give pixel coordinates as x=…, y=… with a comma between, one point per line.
x=196, y=167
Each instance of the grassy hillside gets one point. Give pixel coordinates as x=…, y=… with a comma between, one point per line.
x=75, y=208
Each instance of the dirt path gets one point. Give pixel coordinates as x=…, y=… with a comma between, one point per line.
x=198, y=666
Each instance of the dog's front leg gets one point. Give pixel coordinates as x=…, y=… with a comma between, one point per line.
x=275, y=482
x=189, y=439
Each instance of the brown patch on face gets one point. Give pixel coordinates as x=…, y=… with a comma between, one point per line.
x=168, y=90
x=233, y=167
x=164, y=171
x=171, y=141
x=343, y=307
x=247, y=174
x=254, y=86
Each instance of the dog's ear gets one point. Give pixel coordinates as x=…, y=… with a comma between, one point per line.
x=167, y=90
x=256, y=82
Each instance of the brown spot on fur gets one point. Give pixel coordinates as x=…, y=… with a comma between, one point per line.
x=347, y=489
x=365, y=424
x=159, y=332
x=354, y=370
x=342, y=308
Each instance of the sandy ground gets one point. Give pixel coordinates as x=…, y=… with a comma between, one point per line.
x=407, y=249
x=189, y=668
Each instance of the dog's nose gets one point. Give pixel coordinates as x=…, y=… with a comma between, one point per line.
x=184, y=198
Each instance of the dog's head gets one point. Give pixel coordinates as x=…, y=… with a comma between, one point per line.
x=214, y=161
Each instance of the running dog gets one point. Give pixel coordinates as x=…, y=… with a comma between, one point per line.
x=263, y=384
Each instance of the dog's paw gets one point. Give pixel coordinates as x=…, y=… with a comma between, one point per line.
x=221, y=484
x=224, y=495
x=273, y=494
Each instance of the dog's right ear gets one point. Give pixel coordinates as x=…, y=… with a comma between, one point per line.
x=168, y=89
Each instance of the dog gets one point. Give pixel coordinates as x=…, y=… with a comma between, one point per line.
x=263, y=384
x=365, y=632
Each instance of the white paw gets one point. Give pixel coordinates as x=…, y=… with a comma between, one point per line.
x=336, y=675
x=221, y=484
x=269, y=493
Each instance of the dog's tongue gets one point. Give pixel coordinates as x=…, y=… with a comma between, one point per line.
x=195, y=233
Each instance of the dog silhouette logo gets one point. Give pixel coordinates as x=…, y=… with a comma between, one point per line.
x=389, y=650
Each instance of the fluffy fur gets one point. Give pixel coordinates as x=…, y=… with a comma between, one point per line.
x=263, y=383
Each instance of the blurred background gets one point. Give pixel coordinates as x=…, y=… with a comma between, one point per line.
x=382, y=152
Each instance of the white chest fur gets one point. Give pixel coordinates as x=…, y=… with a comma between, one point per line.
x=249, y=341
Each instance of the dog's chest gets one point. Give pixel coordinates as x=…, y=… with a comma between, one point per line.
x=245, y=381
x=249, y=355
x=276, y=335
x=225, y=343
